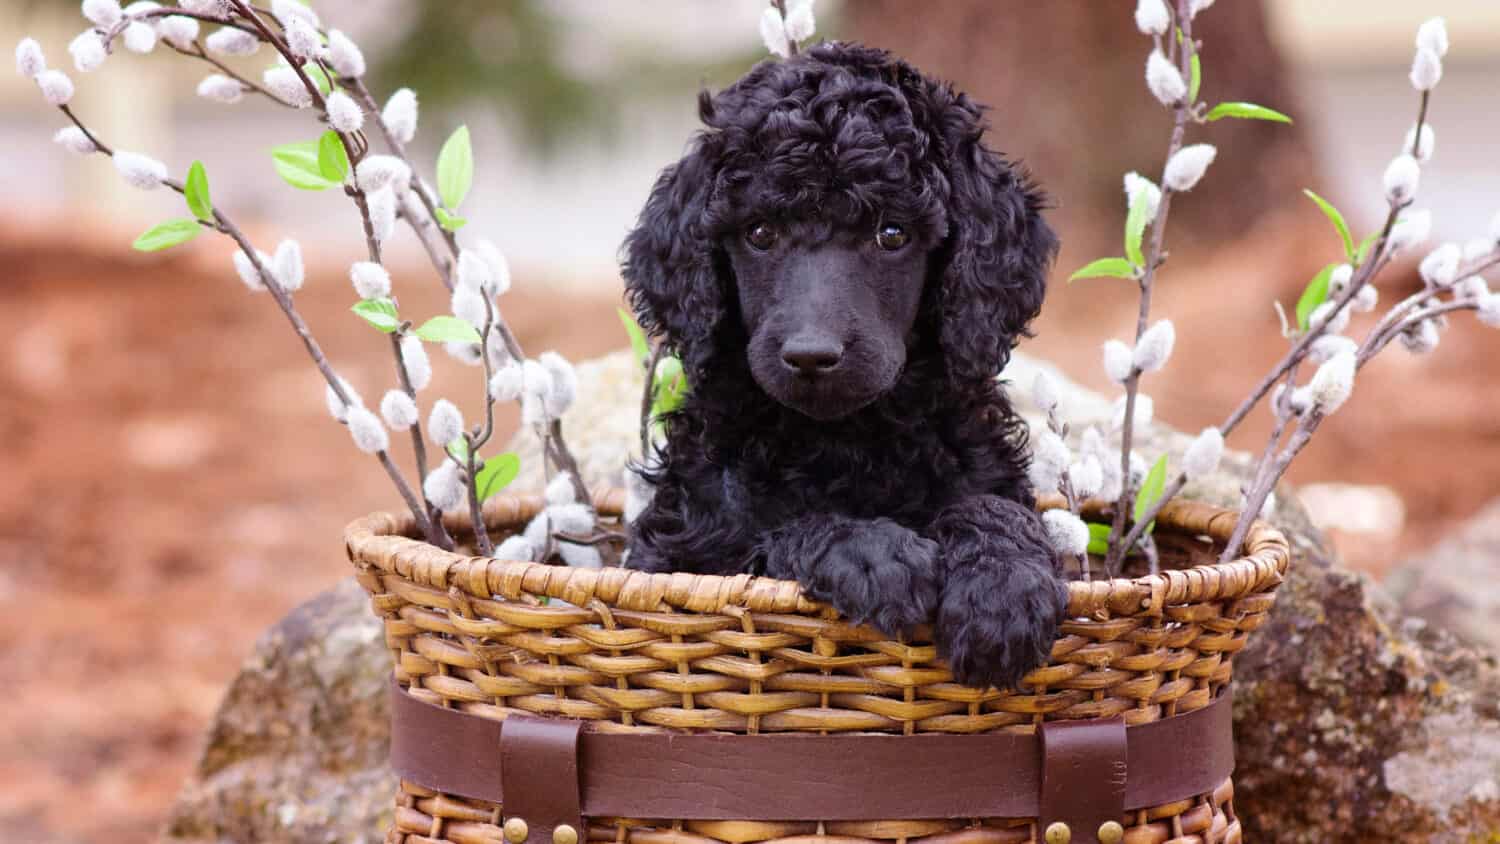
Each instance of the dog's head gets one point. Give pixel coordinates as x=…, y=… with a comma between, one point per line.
x=839, y=211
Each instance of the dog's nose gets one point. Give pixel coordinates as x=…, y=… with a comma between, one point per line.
x=811, y=355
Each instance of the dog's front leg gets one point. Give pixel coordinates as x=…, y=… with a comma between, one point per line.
x=873, y=571
x=1003, y=595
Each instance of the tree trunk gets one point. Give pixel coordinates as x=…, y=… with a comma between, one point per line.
x=1066, y=85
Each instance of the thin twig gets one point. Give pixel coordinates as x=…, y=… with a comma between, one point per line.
x=648, y=397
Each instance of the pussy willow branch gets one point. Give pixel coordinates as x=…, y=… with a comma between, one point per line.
x=1183, y=112
x=481, y=533
x=648, y=395
x=791, y=45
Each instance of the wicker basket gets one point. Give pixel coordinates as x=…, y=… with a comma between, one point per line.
x=634, y=652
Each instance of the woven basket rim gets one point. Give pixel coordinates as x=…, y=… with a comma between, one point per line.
x=382, y=541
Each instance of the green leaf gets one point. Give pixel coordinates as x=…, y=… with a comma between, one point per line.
x=319, y=78
x=1098, y=538
x=1195, y=78
x=1364, y=247
x=455, y=168
x=333, y=159
x=1245, y=111
x=671, y=386
x=1135, y=228
x=1315, y=294
x=1338, y=221
x=1105, y=268
x=165, y=235
x=195, y=190
x=380, y=313
x=497, y=474
x=448, y=329
x=1151, y=489
x=638, y=342
x=459, y=448
x=297, y=164
x=450, y=222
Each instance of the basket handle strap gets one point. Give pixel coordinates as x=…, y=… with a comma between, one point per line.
x=1083, y=777
x=539, y=777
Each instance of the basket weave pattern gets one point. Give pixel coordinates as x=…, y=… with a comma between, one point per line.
x=632, y=651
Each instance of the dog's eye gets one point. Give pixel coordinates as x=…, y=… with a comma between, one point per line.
x=762, y=236
x=891, y=237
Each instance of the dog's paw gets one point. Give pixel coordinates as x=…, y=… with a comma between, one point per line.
x=876, y=573
x=994, y=631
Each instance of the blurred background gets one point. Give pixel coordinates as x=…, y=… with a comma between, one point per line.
x=172, y=484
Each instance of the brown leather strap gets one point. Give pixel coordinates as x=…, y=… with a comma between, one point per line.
x=539, y=775
x=808, y=776
x=1084, y=774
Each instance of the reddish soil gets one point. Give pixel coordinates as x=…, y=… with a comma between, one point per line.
x=173, y=484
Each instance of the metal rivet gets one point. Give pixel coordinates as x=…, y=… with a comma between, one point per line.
x=1058, y=833
x=516, y=831
x=564, y=834
x=1110, y=832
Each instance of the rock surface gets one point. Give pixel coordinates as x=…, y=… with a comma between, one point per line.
x=1351, y=724
x=1457, y=584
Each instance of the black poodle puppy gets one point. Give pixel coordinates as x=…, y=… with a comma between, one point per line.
x=844, y=267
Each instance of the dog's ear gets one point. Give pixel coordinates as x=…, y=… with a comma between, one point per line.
x=669, y=264
x=998, y=251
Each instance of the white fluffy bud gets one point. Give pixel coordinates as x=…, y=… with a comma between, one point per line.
x=1440, y=267
x=536, y=386
x=800, y=24
x=415, y=361
x=638, y=494
x=337, y=407
x=1151, y=17
x=1154, y=348
x=1422, y=337
x=468, y=305
x=286, y=11
x=516, y=548
x=381, y=171
x=73, y=139
x=1474, y=287
x=1044, y=393
x=560, y=490
x=287, y=266
x=444, y=487
x=371, y=281
x=1086, y=477
x=344, y=114
x=345, y=55
x=1325, y=347
x=88, y=50
x=1401, y=178
x=103, y=13
x=499, y=277
x=178, y=30
x=30, y=61
x=1164, y=79
x=302, y=40
x=1332, y=383
x=1432, y=35
x=1340, y=278
x=56, y=87
x=232, y=42
x=369, y=435
x=400, y=115
x=1488, y=310
x=1426, y=70
x=1119, y=361
x=1068, y=534
x=382, y=205
x=287, y=86
x=444, y=423
x=246, y=270
x=1136, y=183
x=398, y=409
x=773, y=32
x=140, y=37
x=217, y=8
x=1049, y=459
x=222, y=88
x=140, y=171
x=473, y=271
x=1187, y=166
x=465, y=353
x=1202, y=457
x=1421, y=147
x=564, y=384
x=1412, y=229
x=506, y=383
x=1337, y=319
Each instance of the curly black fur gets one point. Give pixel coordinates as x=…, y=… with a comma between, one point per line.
x=912, y=506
